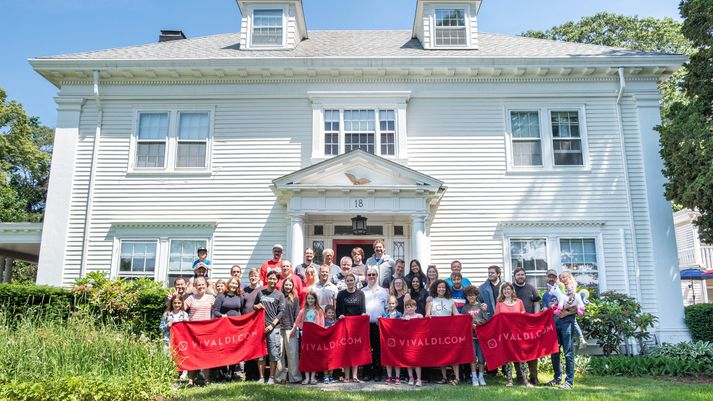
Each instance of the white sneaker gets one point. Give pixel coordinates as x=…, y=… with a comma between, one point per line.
x=305, y=381
x=271, y=381
x=481, y=380
x=261, y=380
x=474, y=380
x=582, y=343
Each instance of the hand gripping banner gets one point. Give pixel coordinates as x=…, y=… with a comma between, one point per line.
x=517, y=337
x=344, y=344
x=435, y=341
x=218, y=342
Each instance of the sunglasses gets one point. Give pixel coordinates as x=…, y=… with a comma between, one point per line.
x=371, y=275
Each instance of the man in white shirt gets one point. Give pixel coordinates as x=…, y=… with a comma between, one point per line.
x=325, y=290
x=375, y=298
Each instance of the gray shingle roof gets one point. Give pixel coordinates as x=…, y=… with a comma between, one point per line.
x=396, y=43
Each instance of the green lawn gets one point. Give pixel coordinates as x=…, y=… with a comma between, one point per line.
x=586, y=388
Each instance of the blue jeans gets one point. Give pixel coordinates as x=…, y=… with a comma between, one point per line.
x=565, y=328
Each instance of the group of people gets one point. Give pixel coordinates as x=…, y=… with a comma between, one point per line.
x=379, y=287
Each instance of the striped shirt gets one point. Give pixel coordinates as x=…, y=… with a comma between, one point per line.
x=199, y=308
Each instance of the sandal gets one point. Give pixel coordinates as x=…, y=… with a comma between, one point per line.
x=442, y=381
x=355, y=380
x=455, y=382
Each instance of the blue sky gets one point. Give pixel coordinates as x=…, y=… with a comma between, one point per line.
x=32, y=28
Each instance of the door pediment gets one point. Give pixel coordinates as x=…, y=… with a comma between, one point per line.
x=358, y=170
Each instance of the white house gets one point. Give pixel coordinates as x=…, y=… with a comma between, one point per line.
x=693, y=254
x=486, y=148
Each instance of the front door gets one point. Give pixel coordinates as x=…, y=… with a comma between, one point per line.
x=343, y=247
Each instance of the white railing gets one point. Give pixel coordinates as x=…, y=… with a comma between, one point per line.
x=707, y=256
x=687, y=257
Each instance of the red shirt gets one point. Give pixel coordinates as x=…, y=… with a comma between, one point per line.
x=268, y=266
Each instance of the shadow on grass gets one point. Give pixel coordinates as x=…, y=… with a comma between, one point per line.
x=586, y=389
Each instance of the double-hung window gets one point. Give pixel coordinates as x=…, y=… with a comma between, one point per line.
x=537, y=254
x=151, y=140
x=450, y=28
x=172, y=141
x=181, y=256
x=137, y=259
x=372, y=130
x=546, y=138
x=267, y=27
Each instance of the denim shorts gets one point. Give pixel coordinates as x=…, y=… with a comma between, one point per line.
x=479, y=359
x=274, y=345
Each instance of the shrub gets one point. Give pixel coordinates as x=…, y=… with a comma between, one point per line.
x=18, y=301
x=699, y=319
x=51, y=359
x=700, y=350
x=137, y=303
x=613, y=317
x=622, y=365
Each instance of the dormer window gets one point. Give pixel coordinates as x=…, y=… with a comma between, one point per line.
x=267, y=28
x=450, y=27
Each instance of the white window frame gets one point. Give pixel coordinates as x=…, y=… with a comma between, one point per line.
x=432, y=23
x=464, y=27
x=171, y=142
x=546, y=137
x=163, y=235
x=251, y=21
x=552, y=234
x=396, y=101
x=128, y=275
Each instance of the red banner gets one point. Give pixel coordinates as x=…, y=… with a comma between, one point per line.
x=218, y=342
x=437, y=341
x=344, y=344
x=517, y=337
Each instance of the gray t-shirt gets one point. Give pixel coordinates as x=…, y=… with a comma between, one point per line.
x=528, y=295
x=274, y=304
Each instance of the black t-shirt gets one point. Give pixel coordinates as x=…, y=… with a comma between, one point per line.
x=496, y=290
x=528, y=295
x=420, y=297
x=351, y=303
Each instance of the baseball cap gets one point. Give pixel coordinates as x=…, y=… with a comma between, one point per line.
x=278, y=246
x=551, y=272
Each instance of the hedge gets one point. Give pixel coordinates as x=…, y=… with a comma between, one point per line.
x=20, y=300
x=621, y=365
x=699, y=319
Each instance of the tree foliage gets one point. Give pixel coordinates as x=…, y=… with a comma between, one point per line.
x=687, y=127
x=608, y=29
x=25, y=154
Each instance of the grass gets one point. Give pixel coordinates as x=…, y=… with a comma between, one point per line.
x=586, y=388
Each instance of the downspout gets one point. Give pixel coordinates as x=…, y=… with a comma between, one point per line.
x=632, y=224
x=92, y=173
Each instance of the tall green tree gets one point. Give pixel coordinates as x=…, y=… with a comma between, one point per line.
x=687, y=126
x=25, y=154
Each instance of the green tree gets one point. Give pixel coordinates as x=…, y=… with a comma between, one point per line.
x=687, y=126
x=25, y=154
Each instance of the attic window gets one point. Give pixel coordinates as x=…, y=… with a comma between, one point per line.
x=450, y=27
x=267, y=28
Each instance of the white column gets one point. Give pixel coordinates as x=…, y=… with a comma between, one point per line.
x=297, y=238
x=419, y=242
x=669, y=302
x=51, y=265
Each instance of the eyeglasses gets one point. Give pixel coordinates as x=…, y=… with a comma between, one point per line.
x=371, y=275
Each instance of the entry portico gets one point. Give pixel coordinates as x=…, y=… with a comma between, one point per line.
x=360, y=183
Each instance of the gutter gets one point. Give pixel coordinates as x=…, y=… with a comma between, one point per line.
x=92, y=174
x=632, y=224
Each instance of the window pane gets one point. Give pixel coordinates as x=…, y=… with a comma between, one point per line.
x=565, y=124
x=191, y=154
x=183, y=253
x=360, y=129
x=153, y=126
x=267, y=27
x=451, y=37
x=150, y=154
x=318, y=248
x=194, y=126
x=137, y=258
x=399, y=250
x=527, y=153
x=452, y=17
x=579, y=256
x=387, y=125
x=530, y=254
x=331, y=132
x=525, y=124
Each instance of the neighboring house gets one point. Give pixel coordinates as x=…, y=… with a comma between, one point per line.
x=692, y=253
x=454, y=143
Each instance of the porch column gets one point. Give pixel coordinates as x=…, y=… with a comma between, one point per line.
x=297, y=238
x=7, y=272
x=419, y=242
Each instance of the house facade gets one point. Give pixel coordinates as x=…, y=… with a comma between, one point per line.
x=453, y=143
x=693, y=254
